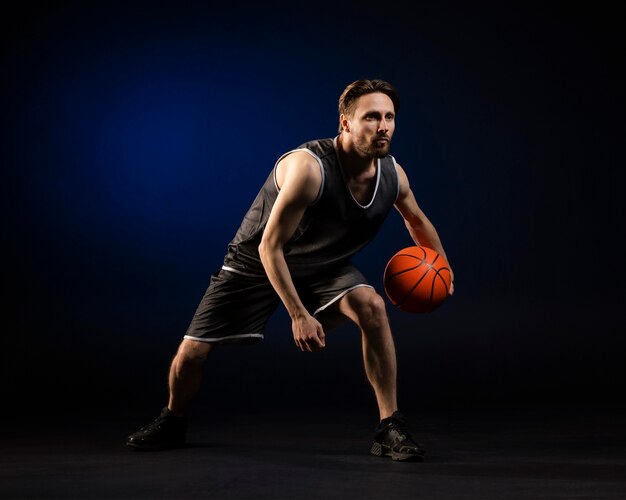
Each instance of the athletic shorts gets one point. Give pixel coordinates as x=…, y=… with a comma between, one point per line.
x=236, y=308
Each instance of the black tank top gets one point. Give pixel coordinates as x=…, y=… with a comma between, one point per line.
x=334, y=227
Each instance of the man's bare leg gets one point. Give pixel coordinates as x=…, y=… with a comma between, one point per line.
x=168, y=430
x=367, y=309
x=185, y=376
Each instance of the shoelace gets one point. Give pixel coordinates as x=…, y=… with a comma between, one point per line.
x=155, y=423
x=402, y=435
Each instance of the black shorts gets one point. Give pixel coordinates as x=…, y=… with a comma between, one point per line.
x=236, y=308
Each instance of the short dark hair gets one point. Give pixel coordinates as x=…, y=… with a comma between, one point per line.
x=362, y=87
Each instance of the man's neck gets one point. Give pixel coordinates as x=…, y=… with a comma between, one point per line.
x=353, y=164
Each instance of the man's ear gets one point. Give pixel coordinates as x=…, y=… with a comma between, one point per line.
x=345, y=124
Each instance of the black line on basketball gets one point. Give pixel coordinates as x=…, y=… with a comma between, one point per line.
x=415, y=285
x=392, y=276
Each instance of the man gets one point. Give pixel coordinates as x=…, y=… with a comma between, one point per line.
x=320, y=205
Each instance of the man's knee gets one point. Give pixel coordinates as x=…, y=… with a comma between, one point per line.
x=376, y=309
x=193, y=351
x=370, y=309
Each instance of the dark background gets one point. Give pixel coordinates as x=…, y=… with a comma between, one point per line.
x=135, y=135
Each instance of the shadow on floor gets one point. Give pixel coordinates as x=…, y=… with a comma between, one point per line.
x=472, y=454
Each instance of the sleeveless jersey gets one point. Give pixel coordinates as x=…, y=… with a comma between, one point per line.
x=334, y=227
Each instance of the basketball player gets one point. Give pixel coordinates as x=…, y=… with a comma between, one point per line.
x=320, y=205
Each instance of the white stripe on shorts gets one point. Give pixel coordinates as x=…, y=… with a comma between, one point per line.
x=340, y=296
x=229, y=337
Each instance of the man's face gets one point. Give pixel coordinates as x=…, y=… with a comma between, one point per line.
x=372, y=124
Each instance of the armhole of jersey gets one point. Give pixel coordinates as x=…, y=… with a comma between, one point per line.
x=319, y=162
x=395, y=168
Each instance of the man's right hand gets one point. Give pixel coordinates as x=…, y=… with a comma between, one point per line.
x=308, y=333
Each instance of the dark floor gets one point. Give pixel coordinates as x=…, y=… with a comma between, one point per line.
x=478, y=454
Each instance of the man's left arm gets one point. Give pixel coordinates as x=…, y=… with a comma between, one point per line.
x=421, y=229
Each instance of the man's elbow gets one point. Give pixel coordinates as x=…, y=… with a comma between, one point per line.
x=262, y=248
x=415, y=224
x=266, y=249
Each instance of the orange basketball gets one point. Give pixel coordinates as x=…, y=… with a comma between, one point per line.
x=417, y=279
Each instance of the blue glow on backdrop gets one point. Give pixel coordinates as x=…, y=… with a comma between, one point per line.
x=136, y=134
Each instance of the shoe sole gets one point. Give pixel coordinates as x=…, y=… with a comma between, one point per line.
x=154, y=447
x=383, y=451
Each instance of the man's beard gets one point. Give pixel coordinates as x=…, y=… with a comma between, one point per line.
x=374, y=151
x=381, y=152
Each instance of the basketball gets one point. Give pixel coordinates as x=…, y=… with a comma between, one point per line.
x=417, y=279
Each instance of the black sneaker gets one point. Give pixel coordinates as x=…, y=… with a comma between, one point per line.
x=391, y=439
x=166, y=431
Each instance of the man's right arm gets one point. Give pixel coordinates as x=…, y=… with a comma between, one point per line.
x=299, y=179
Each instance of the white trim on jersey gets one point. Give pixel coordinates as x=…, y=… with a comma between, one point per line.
x=243, y=273
x=395, y=164
x=319, y=162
